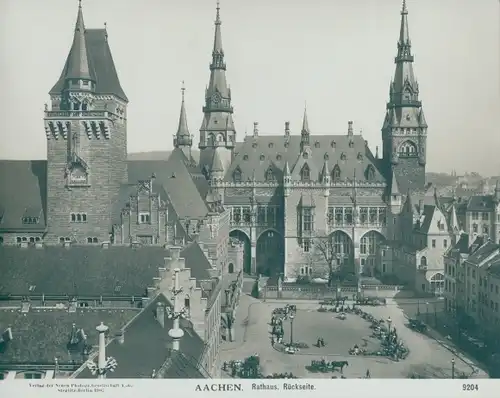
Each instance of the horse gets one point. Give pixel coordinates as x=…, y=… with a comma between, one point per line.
x=339, y=364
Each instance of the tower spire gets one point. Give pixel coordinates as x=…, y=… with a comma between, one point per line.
x=304, y=134
x=78, y=61
x=182, y=137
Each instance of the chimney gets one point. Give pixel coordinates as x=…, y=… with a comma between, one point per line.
x=287, y=129
x=349, y=128
x=421, y=206
x=160, y=314
x=151, y=291
x=255, y=129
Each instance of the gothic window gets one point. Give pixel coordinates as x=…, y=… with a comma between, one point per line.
x=305, y=173
x=270, y=145
x=348, y=216
x=307, y=219
x=343, y=156
x=270, y=175
x=360, y=156
x=370, y=173
x=278, y=157
x=351, y=144
x=423, y=262
x=316, y=144
x=247, y=215
x=262, y=157
x=261, y=215
x=211, y=140
x=237, y=175
x=144, y=218
x=84, y=106
x=330, y=216
x=245, y=157
x=76, y=106
x=220, y=138
x=407, y=149
x=326, y=156
x=486, y=230
x=363, y=215
x=333, y=144
x=95, y=240
x=336, y=173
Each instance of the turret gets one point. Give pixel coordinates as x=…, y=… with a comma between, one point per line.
x=182, y=138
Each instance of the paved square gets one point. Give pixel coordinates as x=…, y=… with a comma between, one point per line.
x=428, y=357
x=339, y=335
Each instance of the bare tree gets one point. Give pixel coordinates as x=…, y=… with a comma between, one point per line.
x=322, y=250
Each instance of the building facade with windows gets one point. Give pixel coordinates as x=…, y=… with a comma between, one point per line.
x=280, y=195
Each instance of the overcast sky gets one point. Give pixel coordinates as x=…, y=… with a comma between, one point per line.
x=338, y=55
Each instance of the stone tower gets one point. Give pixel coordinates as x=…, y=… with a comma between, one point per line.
x=404, y=133
x=217, y=131
x=86, y=141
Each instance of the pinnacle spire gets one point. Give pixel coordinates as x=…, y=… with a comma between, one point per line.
x=305, y=122
x=182, y=137
x=78, y=62
x=218, y=52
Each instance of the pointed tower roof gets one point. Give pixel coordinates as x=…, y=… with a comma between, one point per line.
x=78, y=59
x=218, y=36
x=436, y=199
x=394, y=184
x=454, y=226
x=286, y=169
x=421, y=118
x=305, y=122
x=216, y=162
x=182, y=137
x=325, y=170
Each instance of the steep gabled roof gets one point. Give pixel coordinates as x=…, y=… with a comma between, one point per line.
x=145, y=348
x=350, y=153
x=481, y=203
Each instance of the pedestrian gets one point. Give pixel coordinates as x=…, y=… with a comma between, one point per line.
x=272, y=341
x=368, y=376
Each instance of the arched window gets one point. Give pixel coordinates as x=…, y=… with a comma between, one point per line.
x=211, y=140
x=336, y=173
x=78, y=217
x=94, y=240
x=423, y=262
x=370, y=243
x=84, y=106
x=231, y=268
x=220, y=138
x=407, y=149
x=270, y=175
x=370, y=173
x=237, y=175
x=305, y=173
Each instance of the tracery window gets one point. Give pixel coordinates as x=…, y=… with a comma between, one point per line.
x=305, y=173
x=407, y=149
x=336, y=173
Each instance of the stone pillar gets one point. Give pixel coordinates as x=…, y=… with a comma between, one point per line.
x=101, y=363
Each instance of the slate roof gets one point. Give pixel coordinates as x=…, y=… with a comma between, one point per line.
x=428, y=214
x=41, y=335
x=102, y=64
x=481, y=203
x=146, y=344
x=89, y=270
x=258, y=154
x=23, y=190
x=482, y=252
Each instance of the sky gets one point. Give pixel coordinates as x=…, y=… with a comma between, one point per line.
x=336, y=55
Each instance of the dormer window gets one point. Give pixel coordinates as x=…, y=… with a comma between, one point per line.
x=360, y=156
x=262, y=158
x=370, y=173
x=326, y=156
x=305, y=173
x=30, y=220
x=351, y=144
x=333, y=144
x=76, y=106
x=316, y=144
x=343, y=156
x=336, y=173
x=84, y=106
x=237, y=175
x=270, y=175
x=85, y=82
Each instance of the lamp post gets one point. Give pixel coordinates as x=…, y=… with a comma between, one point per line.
x=389, y=323
x=452, y=368
x=427, y=312
x=291, y=316
x=418, y=308
x=103, y=364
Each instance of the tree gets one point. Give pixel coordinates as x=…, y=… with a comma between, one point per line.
x=322, y=250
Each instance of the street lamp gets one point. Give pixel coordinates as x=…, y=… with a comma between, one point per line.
x=291, y=316
x=389, y=323
x=452, y=368
x=427, y=312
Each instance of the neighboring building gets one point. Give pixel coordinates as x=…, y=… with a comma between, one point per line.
x=426, y=231
x=472, y=286
x=51, y=300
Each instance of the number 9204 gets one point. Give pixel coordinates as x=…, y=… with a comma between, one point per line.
x=470, y=387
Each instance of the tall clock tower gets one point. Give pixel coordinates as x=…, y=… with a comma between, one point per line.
x=217, y=131
x=404, y=133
